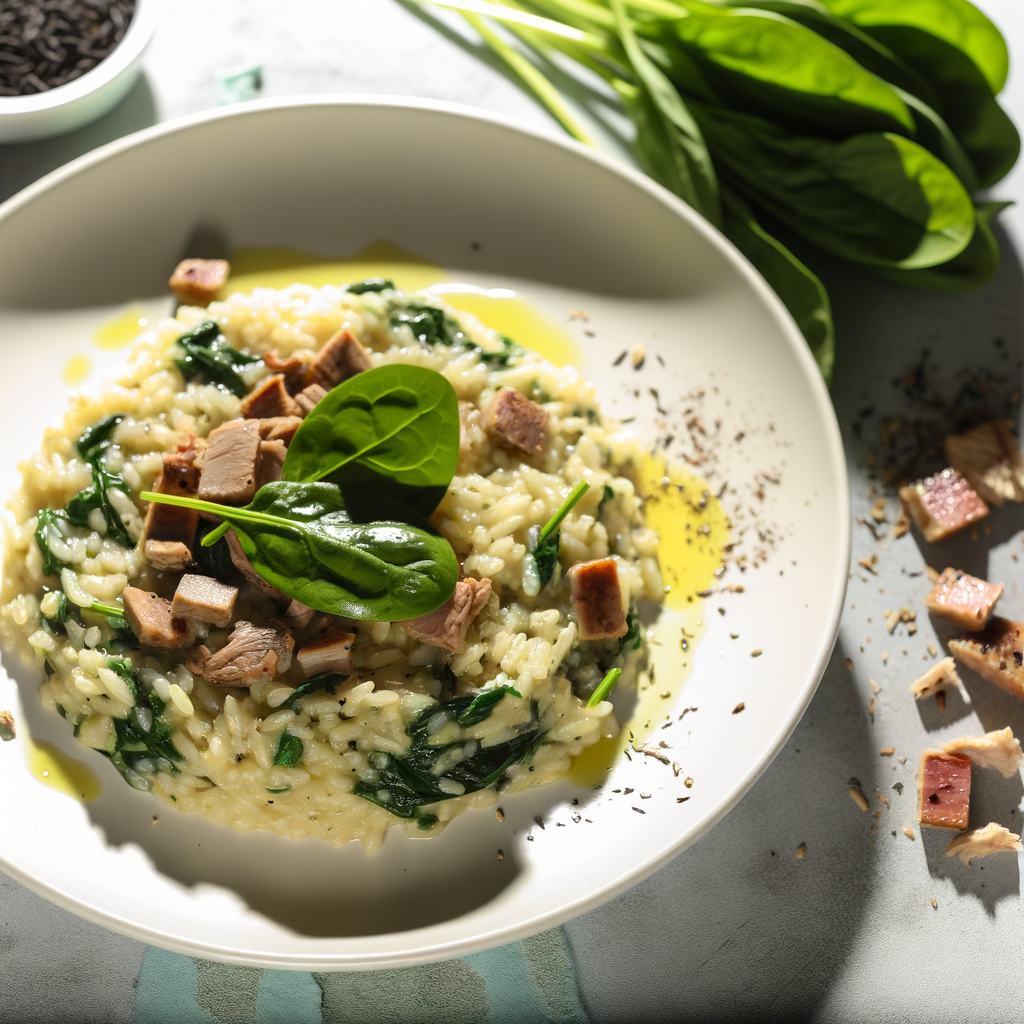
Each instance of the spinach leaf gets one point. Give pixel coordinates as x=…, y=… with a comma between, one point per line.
x=143, y=741
x=289, y=750
x=483, y=704
x=123, y=668
x=544, y=552
x=393, y=429
x=96, y=497
x=408, y=782
x=327, y=681
x=206, y=355
x=359, y=555
x=500, y=359
x=46, y=520
x=429, y=325
x=214, y=560
x=632, y=639
x=605, y=687
x=371, y=284
x=96, y=440
x=124, y=638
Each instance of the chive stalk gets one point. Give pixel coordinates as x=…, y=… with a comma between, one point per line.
x=605, y=687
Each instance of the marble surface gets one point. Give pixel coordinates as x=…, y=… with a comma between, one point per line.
x=737, y=927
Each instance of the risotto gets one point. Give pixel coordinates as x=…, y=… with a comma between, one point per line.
x=315, y=671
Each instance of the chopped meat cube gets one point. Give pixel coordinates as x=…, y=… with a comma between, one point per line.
x=231, y=463
x=204, y=599
x=598, y=599
x=7, y=731
x=448, y=625
x=342, y=357
x=168, y=555
x=152, y=620
x=268, y=399
x=170, y=532
x=329, y=652
x=945, y=790
x=243, y=565
x=998, y=749
x=197, y=282
x=996, y=654
x=989, y=458
x=963, y=599
x=253, y=654
x=516, y=422
x=307, y=398
x=280, y=428
x=943, y=504
x=298, y=614
x=980, y=842
x=940, y=677
x=272, y=455
x=293, y=366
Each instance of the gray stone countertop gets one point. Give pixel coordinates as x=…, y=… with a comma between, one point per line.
x=736, y=927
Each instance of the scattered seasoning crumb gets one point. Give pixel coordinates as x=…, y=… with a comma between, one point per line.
x=499, y=814
x=884, y=800
x=681, y=799
x=756, y=652
x=875, y=688
x=801, y=851
x=933, y=574
x=578, y=314
x=501, y=855
x=156, y=819
x=529, y=839
x=621, y=356
x=869, y=564
x=876, y=815
x=885, y=657
x=903, y=759
x=940, y=700
x=637, y=355
x=908, y=831
x=871, y=708
x=935, y=905
x=639, y=810
x=892, y=619
x=932, y=651
x=849, y=664
x=6, y=726
x=878, y=510
x=734, y=636
x=688, y=782
x=657, y=755
x=858, y=797
x=898, y=786
x=887, y=752
x=645, y=796
x=739, y=707
x=540, y=821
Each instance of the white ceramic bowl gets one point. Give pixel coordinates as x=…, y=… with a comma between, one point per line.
x=498, y=205
x=60, y=110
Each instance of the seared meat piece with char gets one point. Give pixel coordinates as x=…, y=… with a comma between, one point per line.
x=231, y=463
x=964, y=600
x=516, y=422
x=943, y=504
x=598, y=599
x=268, y=399
x=448, y=625
x=272, y=456
x=996, y=654
x=328, y=652
x=308, y=398
x=196, y=282
x=152, y=620
x=169, y=533
x=253, y=654
x=989, y=458
x=342, y=357
x=280, y=428
x=944, y=793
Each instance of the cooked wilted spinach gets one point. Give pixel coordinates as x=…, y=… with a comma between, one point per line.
x=289, y=750
x=326, y=681
x=207, y=356
x=545, y=550
x=429, y=325
x=46, y=518
x=500, y=359
x=96, y=496
x=213, y=560
x=632, y=639
x=97, y=439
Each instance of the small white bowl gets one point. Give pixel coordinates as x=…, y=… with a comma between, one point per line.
x=60, y=110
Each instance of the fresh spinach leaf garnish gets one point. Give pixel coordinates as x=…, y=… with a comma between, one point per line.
x=408, y=782
x=359, y=555
x=605, y=687
x=206, y=355
x=97, y=439
x=46, y=519
x=371, y=284
x=289, y=750
x=429, y=325
x=326, y=681
x=95, y=497
x=545, y=550
x=393, y=429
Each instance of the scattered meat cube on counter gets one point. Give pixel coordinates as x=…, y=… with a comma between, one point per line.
x=204, y=599
x=996, y=654
x=988, y=457
x=342, y=357
x=980, y=842
x=962, y=599
x=231, y=463
x=515, y=422
x=152, y=620
x=308, y=398
x=328, y=652
x=944, y=790
x=598, y=599
x=943, y=504
x=998, y=749
x=280, y=428
x=7, y=731
x=448, y=625
x=272, y=456
x=196, y=282
x=269, y=399
x=940, y=677
x=253, y=654
x=169, y=531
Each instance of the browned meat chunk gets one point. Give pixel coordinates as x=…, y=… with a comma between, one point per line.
x=996, y=654
x=963, y=599
x=231, y=463
x=598, y=599
x=307, y=398
x=342, y=357
x=152, y=620
x=980, y=842
x=170, y=532
x=272, y=455
x=998, y=749
x=329, y=652
x=243, y=565
x=944, y=790
x=943, y=504
x=196, y=282
x=253, y=654
x=268, y=399
x=204, y=599
x=7, y=731
x=279, y=428
x=448, y=625
x=298, y=614
x=293, y=366
x=516, y=422
x=989, y=458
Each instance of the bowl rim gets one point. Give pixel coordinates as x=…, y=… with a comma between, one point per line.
x=119, y=60
x=458, y=947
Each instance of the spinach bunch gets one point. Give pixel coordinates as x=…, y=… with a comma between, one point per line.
x=408, y=782
x=207, y=356
x=862, y=127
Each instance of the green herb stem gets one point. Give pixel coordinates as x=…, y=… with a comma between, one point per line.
x=605, y=687
x=215, y=535
x=567, y=506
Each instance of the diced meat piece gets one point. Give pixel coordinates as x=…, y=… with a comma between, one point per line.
x=990, y=460
x=945, y=790
x=448, y=625
x=272, y=455
x=253, y=654
x=943, y=504
x=231, y=463
x=168, y=555
x=996, y=654
x=998, y=749
x=204, y=599
x=269, y=398
x=598, y=599
x=196, y=282
x=940, y=677
x=963, y=599
x=7, y=731
x=342, y=357
x=980, y=842
x=307, y=398
x=293, y=366
x=516, y=422
x=329, y=652
x=280, y=428
x=298, y=614
x=169, y=531
x=152, y=620
x=243, y=565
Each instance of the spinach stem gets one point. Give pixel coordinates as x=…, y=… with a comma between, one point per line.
x=605, y=687
x=567, y=506
x=104, y=609
x=215, y=535
x=226, y=512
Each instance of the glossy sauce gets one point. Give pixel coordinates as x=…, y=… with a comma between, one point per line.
x=53, y=768
x=76, y=369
